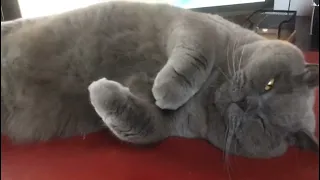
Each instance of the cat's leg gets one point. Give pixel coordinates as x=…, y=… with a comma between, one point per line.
x=188, y=67
x=130, y=118
x=49, y=115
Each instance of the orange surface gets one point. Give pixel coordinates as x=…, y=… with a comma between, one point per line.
x=101, y=157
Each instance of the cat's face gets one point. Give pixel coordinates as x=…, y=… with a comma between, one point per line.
x=268, y=104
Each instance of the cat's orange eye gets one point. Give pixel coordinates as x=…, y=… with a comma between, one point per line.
x=270, y=85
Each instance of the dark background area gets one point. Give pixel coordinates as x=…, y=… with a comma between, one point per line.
x=10, y=10
x=237, y=9
x=302, y=26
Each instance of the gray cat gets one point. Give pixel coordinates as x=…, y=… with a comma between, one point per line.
x=151, y=71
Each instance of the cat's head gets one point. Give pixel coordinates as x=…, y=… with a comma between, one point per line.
x=267, y=104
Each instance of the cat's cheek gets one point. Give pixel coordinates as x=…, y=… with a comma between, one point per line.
x=279, y=151
x=222, y=99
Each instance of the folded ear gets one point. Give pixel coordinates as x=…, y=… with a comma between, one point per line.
x=306, y=140
x=310, y=77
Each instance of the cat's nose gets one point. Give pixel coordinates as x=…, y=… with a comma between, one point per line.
x=248, y=103
x=243, y=104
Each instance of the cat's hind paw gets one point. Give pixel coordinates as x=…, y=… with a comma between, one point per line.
x=106, y=95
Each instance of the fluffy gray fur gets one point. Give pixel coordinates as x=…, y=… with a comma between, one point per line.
x=148, y=72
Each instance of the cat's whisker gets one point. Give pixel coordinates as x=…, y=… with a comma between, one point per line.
x=227, y=146
x=225, y=140
x=240, y=61
x=224, y=74
x=234, y=56
x=233, y=61
x=228, y=60
x=231, y=129
x=246, y=112
x=228, y=141
x=229, y=169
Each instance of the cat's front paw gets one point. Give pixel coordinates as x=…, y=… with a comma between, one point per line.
x=106, y=95
x=170, y=94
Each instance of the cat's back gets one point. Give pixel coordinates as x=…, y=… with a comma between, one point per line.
x=107, y=39
x=105, y=22
x=109, y=16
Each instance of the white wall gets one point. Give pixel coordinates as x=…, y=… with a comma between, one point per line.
x=303, y=7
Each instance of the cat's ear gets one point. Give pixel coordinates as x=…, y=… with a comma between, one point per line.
x=306, y=140
x=310, y=76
